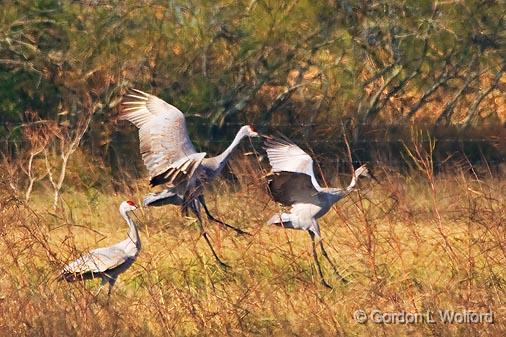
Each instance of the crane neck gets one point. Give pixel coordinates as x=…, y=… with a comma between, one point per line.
x=133, y=233
x=225, y=155
x=352, y=184
x=336, y=194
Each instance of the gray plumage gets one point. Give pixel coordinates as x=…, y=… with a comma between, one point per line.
x=170, y=156
x=293, y=183
x=109, y=262
x=166, y=149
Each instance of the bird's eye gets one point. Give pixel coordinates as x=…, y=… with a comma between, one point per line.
x=131, y=203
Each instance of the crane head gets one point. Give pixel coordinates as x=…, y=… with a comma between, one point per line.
x=365, y=172
x=250, y=131
x=128, y=206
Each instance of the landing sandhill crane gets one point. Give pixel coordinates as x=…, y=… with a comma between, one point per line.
x=171, y=159
x=109, y=262
x=293, y=183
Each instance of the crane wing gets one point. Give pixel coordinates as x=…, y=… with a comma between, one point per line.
x=289, y=188
x=293, y=179
x=96, y=261
x=286, y=156
x=163, y=135
x=180, y=171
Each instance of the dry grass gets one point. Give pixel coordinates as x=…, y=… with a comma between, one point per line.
x=404, y=245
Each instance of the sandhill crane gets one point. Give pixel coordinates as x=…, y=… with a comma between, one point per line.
x=171, y=159
x=293, y=183
x=109, y=262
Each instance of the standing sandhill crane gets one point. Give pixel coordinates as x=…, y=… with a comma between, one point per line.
x=293, y=183
x=109, y=262
x=171, y=159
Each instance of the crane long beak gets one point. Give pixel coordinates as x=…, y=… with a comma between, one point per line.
x=136, y=218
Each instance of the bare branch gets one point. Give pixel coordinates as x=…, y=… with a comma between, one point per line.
x=474, y=107
x=446, y=115
x=446, y=75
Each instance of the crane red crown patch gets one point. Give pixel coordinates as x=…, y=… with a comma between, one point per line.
x=131, y=203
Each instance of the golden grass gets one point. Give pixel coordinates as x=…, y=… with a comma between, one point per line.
x=403, y=245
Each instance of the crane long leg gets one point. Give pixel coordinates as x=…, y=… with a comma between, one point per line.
x=111, y=284
x=315, y=257
x=206, y=237
x=212, y=218
x=344, y=280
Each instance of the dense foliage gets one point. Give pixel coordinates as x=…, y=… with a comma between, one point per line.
x=304, y=67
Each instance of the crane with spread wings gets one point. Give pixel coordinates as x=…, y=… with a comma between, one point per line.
x=171, y=158
x=292, y=183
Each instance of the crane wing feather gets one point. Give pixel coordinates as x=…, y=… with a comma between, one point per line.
x=286, y=156
x=289, y=188
x=97, y=261
x=180, y=171
x=163, y=135
x=293, y=180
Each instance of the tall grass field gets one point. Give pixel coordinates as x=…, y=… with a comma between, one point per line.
x=413, y=244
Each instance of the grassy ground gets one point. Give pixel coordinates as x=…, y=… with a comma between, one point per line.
x=407, y=244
